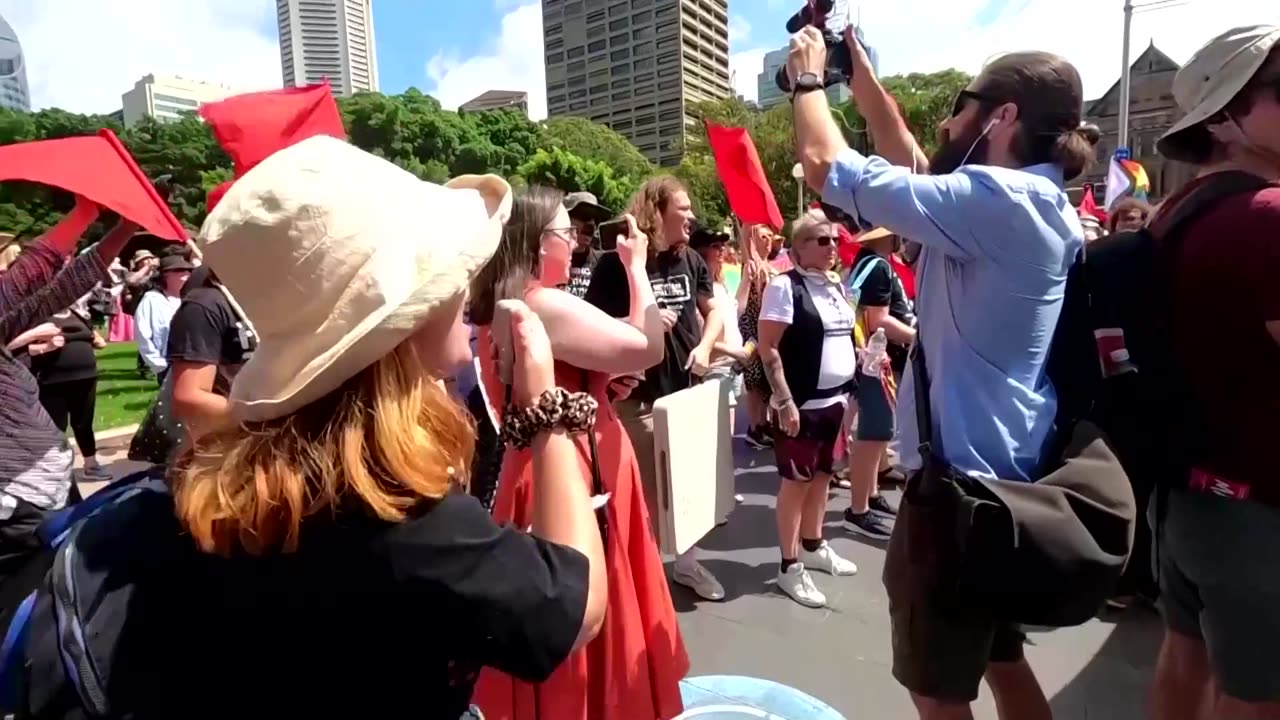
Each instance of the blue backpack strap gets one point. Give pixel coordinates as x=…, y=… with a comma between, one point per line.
x=13, y=655
x=857, y=277
x=53, y=531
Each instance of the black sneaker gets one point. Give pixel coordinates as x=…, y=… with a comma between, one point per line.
x=867, y=524
x=892, y=476
x=885, y=509
x=758, y=438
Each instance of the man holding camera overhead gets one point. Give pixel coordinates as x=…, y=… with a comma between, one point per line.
x=999, y=236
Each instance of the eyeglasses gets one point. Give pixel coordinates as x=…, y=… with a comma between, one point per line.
x=568, y=233
x=957, y=107
x=823, y=240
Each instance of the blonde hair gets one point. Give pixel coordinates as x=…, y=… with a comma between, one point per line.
x=806, y=223
x=388, y=440
x=649, y=202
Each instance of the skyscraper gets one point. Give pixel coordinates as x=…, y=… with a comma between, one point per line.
x=767, y=90
x=637, y=65
x=14, y=93
x=328, y=40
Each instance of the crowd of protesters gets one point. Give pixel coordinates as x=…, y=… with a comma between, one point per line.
x=340, y=534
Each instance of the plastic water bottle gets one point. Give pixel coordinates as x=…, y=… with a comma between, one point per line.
x=876, y=353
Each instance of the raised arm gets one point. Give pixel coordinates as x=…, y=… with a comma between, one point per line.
x=586, y=337
x=892, y=139
x=587, y=333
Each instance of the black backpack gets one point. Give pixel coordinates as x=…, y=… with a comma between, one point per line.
x=62, y=643
x=1112, y=360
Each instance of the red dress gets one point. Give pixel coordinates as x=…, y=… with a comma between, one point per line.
x=632, y=670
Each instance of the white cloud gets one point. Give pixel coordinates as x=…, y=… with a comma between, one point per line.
x=928, y=35
x=82, y=55
x=739, y=29
x=744, y=68
x=514, y=62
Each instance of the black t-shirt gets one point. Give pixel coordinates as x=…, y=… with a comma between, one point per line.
x=205, y=330
x=883, y=288
x=581, y=265
x=364, y=620
x=679, y=277
x=75, y=360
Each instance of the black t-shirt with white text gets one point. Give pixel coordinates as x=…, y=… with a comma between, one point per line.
x=581, y=264
x=679, y=277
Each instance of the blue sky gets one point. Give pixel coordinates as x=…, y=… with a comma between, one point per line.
x=457, y=49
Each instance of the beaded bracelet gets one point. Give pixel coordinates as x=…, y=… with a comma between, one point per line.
x=557, y=407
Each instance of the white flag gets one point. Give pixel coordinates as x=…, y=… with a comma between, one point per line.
x=1118, y=184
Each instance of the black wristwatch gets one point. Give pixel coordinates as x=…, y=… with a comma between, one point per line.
x=806, y=82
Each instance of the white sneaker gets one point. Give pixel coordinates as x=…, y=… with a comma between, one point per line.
x=796, y=583
x=691, y=574
x=825, y=559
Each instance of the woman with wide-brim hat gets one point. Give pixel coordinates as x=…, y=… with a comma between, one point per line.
x=339, y=568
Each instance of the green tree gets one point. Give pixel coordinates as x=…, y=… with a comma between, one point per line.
x=586, y=139
x=571, y=173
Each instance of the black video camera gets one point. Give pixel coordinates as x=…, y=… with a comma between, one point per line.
x=839, y=68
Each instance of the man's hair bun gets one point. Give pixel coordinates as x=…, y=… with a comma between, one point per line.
x=1089, y=132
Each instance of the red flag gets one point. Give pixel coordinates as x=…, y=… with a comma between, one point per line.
x=251, y=127
x=1089, y=206
x=745, y=184
x=99, y=168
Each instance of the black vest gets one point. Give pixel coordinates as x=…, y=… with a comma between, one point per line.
x=801, y=346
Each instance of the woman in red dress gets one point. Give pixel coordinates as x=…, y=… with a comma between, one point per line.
x=632, y=670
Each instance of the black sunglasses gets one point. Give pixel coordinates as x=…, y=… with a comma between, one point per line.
x=957, y=107
x=823, y=240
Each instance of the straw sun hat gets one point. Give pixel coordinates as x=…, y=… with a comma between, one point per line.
x=337, y=256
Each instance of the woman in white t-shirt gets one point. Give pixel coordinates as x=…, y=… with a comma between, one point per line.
x=806, y=344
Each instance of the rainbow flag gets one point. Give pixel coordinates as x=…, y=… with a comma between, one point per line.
x=1125, y=178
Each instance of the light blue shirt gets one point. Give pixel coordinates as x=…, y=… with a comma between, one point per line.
x=997, y=244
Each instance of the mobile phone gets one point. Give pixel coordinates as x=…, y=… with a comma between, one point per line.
x=500, y=333
x=611, y=231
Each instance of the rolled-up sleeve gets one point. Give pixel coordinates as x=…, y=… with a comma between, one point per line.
x=939, y=211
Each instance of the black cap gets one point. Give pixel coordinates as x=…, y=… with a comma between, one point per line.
x=584, y=204
x=702, y=237
x=175, y=263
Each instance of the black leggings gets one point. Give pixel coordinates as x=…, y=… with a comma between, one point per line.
x=72, y=402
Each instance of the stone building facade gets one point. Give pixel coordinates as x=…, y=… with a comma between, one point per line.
x=1152, y=111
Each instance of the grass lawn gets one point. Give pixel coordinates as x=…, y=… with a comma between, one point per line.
x=123, y=397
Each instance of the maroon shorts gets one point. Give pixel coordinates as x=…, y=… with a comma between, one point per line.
x=813, y=449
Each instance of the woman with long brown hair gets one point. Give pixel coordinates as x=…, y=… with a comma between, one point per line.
x=632, y=671
x=326, y=560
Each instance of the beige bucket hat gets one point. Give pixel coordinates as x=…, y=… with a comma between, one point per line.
x=337, y=256
x=1213, y=77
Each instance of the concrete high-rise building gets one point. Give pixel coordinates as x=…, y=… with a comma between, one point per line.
x=14, y=92
x=767, y=90
x=637, y=65
x=168, y=98
x=328, y=40
x=517, y=100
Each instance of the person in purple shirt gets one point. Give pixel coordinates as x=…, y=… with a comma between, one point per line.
x=998, y=236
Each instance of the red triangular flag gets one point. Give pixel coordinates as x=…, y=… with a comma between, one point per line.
x=1089, y=205
x=251, y=127
x=742, y=175
x=99, y=168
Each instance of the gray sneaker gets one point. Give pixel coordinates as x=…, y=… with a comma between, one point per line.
x=868, y=524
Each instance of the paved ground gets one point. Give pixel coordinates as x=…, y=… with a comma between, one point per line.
x=840, y=654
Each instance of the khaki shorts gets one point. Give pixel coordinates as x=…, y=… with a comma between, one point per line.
x=637, y=420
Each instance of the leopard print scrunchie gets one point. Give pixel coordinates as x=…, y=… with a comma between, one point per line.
x=575, y=412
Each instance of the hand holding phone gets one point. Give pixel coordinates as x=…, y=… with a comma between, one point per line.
x=610, y=232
